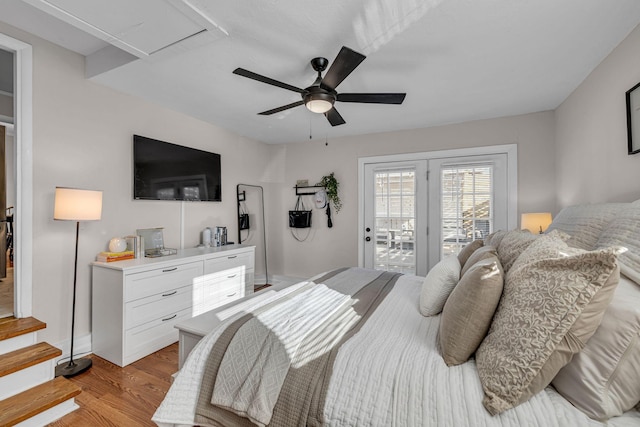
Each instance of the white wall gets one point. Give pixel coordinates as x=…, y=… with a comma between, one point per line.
x=591, y=133
x=326, y=248
x=82, y=137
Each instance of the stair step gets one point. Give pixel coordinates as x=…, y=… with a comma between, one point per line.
x=12, y=327
x=26, y=357
x=36, y=400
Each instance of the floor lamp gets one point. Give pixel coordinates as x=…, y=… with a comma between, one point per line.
x=72, y=204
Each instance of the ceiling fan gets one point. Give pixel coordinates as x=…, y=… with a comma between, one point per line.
x=321, y=95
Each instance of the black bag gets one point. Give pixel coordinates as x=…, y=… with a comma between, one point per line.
x=243, y=218
x=299, y=217
x=243, y=221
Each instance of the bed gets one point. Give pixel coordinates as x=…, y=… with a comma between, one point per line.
x=353, y=347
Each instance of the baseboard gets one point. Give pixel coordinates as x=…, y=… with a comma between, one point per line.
x=276, y=279
x=81, y=347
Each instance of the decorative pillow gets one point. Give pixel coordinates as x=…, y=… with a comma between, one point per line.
x=623, y=231
x=438, y=284
x=467, y=314
x=512, y=245
x=495, y=238
x=603, y=380
x=550, y=306
x=469, y=249
x=484, y=252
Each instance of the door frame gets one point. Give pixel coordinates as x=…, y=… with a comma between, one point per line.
x=23, y=213
x=511, y=150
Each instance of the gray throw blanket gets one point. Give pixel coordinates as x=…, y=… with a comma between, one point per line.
x=303, y=392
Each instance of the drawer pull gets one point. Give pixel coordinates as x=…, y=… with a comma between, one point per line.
x=170, y=269
x=170, y=293
x=232, y=257
x=232, y=294
x=231, y=277
x=169, y=318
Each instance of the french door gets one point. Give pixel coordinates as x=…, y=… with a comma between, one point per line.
x=395, y=215
x=470, y=201
x=416, y=211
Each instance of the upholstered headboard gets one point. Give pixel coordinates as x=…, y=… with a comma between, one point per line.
x=602, y=225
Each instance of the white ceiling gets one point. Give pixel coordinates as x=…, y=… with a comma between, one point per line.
x=457, y=60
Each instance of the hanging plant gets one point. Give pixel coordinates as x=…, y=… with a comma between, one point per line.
x=331, y=185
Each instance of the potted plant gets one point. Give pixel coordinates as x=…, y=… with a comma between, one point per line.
x=331, y=185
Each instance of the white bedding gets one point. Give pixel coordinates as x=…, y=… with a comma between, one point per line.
x=391, y=374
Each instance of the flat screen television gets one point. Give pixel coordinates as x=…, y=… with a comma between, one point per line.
x=165, y=171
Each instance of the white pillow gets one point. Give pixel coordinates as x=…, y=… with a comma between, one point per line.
x=603, y=380
x=438, y=284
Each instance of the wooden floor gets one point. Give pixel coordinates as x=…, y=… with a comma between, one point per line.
x=115, y=396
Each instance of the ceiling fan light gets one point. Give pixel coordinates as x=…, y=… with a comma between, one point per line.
x=319, y=105
x=319, y=101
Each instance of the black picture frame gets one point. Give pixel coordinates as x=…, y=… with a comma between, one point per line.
x=633, y=119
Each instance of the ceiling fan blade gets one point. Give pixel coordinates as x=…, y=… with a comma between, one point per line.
x=346, y=61
x=284, y=107
x=334, y=117
x=251, y=75
x=372, y=98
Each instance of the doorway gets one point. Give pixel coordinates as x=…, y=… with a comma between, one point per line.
x=7, y=182
x=6, y=232
x=19, y=168
x=415, y=209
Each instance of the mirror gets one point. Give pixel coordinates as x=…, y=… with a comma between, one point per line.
x=252, y=227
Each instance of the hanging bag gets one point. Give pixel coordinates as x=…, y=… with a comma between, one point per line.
x=299, y=217
x=243, y=217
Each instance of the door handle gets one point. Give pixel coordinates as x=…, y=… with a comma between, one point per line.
x=368, y=239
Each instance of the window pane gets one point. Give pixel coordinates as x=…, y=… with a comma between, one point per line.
x=395, y=219
x=466, y=200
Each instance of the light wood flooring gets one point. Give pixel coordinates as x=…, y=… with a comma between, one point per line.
x=115, y=396
x=6, y=293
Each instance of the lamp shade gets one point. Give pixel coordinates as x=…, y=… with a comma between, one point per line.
x=535, y=222
x=74, y=204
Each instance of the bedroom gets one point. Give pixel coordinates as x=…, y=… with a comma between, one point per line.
x=82, y=132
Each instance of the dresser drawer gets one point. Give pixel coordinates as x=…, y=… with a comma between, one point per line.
x=161, y=280
x=220, y=264
x=212, y=293
x=144, y=310
x=152, y=336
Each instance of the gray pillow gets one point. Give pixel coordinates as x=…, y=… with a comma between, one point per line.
x=484, y=252
x=468, y=250
x=512, y=245
x=467, y=314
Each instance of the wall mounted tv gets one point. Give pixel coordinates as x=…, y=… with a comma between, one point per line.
x=165, y=171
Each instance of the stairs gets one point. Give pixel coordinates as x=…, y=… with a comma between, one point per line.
x=29, y=393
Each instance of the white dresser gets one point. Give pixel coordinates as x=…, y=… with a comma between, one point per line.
x=137, y=303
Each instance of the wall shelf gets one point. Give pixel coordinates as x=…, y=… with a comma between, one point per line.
x=307, y=193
